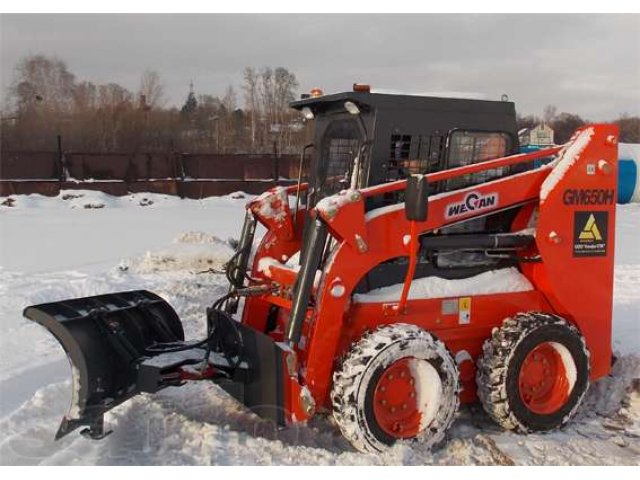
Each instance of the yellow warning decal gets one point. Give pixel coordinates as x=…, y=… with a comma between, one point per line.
x=590, y=230
x=464, y=310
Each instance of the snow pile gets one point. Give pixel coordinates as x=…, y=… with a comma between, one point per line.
x=494, y=281
x=193, y=251
x=88, y=199
x=606, y=396
x=198, y=238
x=566, y=158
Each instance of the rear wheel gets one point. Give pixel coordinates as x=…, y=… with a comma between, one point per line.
x=533, y=373
x=396, y=383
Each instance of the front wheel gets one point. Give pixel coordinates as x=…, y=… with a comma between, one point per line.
x=533, y=373
x=396, y=383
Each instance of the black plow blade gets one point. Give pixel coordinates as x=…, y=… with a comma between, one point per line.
x=108, y=339
x=123, y=344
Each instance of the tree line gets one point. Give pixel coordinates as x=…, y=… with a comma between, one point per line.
x=564, y=124
x=46, y=99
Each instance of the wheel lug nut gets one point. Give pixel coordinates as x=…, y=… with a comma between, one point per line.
x=404, y=406
x=402, y=374
x=412, y=394
x=412, y=381
x=391, y=377
x=393, y=409
x=383, y=389
x=383, y=402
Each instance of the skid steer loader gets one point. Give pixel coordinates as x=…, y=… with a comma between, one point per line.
x=424, y=263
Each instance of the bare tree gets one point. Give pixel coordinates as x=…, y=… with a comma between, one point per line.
x=251, y=94
x=42, y=82
x=229, y=99
x=113, y=96
x=564, y=125
x=85, y=96
x=527, y=121
x=267, y=95
x=224, y=125
x=629, y=128
x=285, y=86
x=151, y=90
x=549, y=113
x=114, y=102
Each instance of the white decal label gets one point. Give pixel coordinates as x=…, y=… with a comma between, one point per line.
x=472, y=202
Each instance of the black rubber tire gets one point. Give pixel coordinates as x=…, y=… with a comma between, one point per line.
x=501, y=360
x=354, y=383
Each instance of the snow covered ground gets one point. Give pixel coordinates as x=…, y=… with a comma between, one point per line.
x=70, y=246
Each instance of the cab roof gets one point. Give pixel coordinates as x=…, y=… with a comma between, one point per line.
x=386, y=101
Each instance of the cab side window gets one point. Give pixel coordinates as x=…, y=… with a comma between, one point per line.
x=469, y=147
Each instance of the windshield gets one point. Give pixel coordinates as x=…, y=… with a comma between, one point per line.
x=339, y=149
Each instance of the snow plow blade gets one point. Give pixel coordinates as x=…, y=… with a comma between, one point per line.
x=106, y=338
x=123, y=344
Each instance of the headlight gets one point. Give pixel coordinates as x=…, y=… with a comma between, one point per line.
x=352, y=108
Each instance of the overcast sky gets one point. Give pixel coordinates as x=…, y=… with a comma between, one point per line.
x=587, y=64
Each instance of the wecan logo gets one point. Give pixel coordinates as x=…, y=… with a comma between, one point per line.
x=472, y=202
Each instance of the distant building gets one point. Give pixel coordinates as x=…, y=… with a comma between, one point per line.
x=539, y=135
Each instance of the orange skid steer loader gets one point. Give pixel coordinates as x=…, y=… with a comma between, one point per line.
x=390, y=287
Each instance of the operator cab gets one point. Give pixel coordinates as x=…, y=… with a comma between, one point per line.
x=363, y=138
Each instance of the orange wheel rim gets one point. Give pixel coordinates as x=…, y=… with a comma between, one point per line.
x=542, y=383
x=395, y=405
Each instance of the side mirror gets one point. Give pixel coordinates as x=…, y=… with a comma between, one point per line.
x=416, y=198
